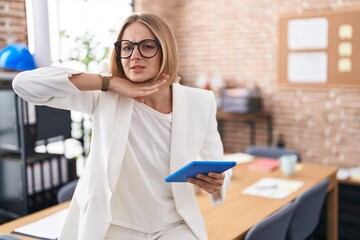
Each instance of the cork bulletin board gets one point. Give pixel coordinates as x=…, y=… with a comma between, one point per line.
x=320, y=48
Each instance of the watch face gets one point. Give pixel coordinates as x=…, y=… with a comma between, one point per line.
x=105, y=74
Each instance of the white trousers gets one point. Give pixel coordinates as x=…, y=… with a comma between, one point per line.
x=178, y=232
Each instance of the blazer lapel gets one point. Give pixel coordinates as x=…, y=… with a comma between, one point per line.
x=119, y=139
x=178, y=139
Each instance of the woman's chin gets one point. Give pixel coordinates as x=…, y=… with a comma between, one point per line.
x=141, y=80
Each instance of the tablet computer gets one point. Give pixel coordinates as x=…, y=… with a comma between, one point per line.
x=196, y=167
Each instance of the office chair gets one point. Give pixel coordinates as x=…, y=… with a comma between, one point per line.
x=270, y=151
x=66, y=192
x=307, y=213
x=274, y=226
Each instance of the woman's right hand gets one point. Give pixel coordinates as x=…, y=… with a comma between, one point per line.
x=137, y=90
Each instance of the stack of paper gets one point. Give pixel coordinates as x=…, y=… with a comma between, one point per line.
x=353, y=174
x=273, y=188
x=241, y=100
x=264, y=164
x=239, y=157
x=46, y=228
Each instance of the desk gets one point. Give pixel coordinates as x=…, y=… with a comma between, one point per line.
x=240, y=212
x=250, y=119
x=7, y=228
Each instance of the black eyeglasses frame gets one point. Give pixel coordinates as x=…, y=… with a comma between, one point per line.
x=118, y=43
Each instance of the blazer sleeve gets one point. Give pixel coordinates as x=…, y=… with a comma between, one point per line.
x=213, y=149
x=51, y=86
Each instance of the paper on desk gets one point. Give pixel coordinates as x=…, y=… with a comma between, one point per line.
x=273, y=188
x=239, y=157
x=46, y=228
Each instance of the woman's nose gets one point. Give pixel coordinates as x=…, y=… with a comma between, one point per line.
x=136, y=54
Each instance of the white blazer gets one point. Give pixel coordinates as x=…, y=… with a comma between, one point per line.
x=194, y=132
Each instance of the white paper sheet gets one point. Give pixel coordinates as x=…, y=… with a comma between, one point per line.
x=273, y=188
x=46, y=228
x=306, y=34
x=307, y=67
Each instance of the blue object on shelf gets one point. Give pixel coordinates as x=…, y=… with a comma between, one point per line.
x=16, y=57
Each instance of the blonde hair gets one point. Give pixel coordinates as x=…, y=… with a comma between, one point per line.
x=163, y=33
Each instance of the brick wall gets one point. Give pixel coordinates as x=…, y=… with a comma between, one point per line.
x=12, y=22
x=239, y=41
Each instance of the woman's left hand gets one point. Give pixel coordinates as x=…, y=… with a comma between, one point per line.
x=211, y=183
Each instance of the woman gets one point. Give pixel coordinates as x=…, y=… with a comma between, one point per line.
x=145, y=126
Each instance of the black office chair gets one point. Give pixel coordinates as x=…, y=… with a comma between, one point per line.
x=66, y=192
x=270, y=151
x=274, y=226
x=307, y=213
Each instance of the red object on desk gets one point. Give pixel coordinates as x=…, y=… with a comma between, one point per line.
x=264, y=164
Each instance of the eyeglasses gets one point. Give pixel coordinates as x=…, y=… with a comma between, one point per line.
x=148, y=48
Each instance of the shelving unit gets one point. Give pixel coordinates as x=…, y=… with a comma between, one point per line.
x=29, y=181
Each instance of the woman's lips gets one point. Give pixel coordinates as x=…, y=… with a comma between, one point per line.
x=137, y=68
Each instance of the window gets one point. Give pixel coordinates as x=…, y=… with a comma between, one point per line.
x=75, y=25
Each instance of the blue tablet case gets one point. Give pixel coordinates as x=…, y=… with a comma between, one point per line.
x=204, y=167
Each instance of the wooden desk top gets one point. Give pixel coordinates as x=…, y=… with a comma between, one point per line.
x=7, y=228
x=239, y=212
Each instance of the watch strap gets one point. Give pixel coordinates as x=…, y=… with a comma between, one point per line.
x=105, y=83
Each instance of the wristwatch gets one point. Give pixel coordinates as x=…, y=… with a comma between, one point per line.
x=106, y=77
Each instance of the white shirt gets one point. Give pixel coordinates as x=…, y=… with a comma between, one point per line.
x=194, y=132
x=143, y=201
